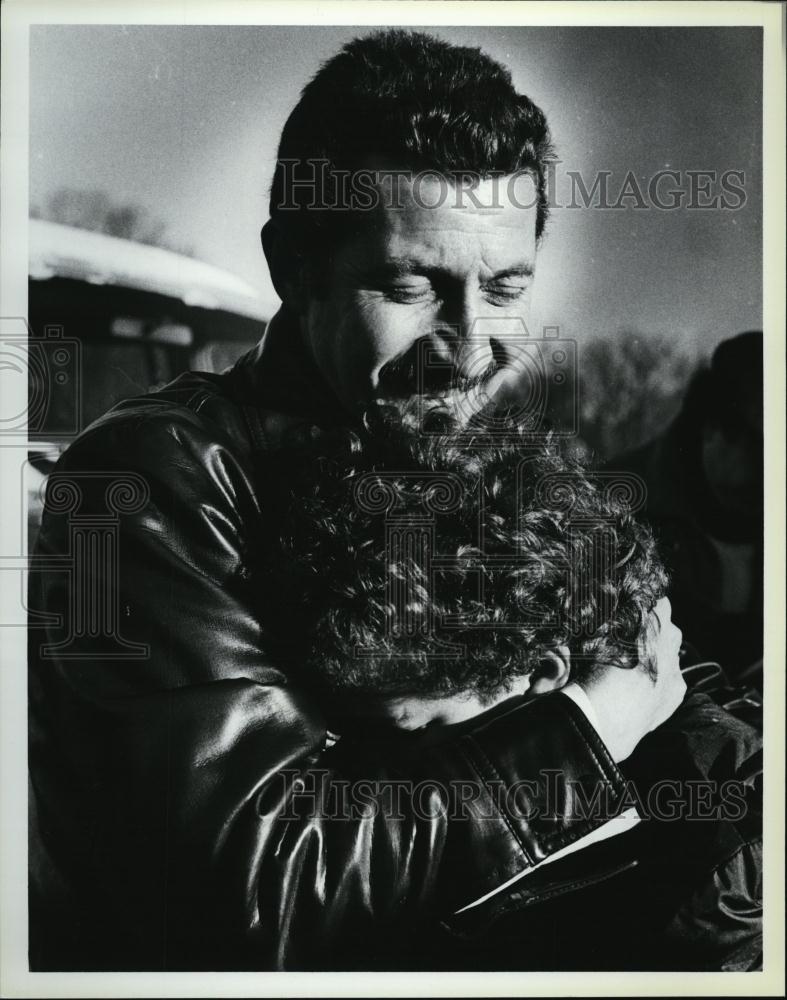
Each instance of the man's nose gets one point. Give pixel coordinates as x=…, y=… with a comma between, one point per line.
x=475, y=342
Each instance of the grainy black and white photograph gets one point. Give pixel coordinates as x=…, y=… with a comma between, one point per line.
x=390, y=484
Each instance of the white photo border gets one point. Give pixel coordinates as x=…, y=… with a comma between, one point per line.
x=15, y=979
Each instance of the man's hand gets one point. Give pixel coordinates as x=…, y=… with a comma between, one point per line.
x=629, y=703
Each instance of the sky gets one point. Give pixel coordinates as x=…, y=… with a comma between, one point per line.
x=185, y=121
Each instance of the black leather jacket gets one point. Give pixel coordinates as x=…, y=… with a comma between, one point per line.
x=185, y=810
x=681, y=891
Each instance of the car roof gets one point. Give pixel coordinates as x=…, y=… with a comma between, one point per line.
x=61, y=251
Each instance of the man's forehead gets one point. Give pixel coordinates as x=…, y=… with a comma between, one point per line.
x=426, y=220
x=428, y=199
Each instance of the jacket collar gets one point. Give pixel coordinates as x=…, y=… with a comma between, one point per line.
x=280, y=375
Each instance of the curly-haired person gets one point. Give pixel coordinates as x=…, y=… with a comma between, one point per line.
x=418, y=580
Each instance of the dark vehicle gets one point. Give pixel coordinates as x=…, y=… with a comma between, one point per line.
x=109, y=319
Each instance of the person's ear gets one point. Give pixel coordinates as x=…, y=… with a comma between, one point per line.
x=286, y=266
x=553, y=671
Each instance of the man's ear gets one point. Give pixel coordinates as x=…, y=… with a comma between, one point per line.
x=285, y=265
x=553, y=671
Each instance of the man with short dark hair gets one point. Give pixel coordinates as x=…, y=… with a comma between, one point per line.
x=166, y=746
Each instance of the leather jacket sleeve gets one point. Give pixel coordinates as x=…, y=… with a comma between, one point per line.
x=679, y=891
x=719, y=928
x=188, y=814
x=717, y=924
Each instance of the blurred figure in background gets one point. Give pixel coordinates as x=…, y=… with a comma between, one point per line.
x=704, y=478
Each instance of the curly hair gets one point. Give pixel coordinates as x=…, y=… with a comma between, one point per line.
x=398, y=562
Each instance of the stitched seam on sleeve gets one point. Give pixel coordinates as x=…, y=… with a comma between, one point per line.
x=729, y=858
x=583, y=882
x=197, y=399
